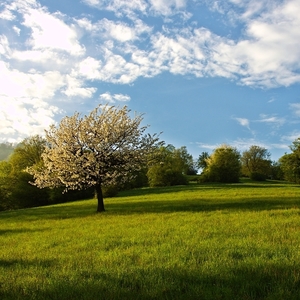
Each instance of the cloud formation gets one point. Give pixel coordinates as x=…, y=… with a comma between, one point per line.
x=109, y=98
x=48, y=56
x=244, y=122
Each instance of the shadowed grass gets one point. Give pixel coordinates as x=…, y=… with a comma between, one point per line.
x=213, y=241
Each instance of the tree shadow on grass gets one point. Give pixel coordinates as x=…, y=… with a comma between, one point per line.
x=9, y=263
x=206, y=187
x=201, y=205
x=21, y=230
x=56, y=212
x=244, y=282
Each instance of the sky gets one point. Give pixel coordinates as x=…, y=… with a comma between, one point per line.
x=203, y=72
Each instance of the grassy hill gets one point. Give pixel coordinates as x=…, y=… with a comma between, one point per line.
x=212, y=241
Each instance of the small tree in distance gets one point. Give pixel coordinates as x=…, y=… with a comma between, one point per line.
x=103, y=148
x=256, y=163
x=223, y=165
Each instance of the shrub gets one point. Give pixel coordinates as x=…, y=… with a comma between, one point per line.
x=109, y=191
x=256, y=176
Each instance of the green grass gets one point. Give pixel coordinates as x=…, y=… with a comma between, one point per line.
x=212, y=241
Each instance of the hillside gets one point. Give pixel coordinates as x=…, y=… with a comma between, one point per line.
x=230, y=241
x=5, y=150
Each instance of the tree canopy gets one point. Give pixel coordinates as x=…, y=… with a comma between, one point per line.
x=223, y=165
x=170, y=167
x=290, y=163
x=256, y=162
x=5, y=150
x=103, y=148
x=15, y=190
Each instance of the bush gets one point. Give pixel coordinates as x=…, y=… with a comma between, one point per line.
x=56, y=195
x=109, y=191
x=256, y=176
x=223, y=165
x=161, y=176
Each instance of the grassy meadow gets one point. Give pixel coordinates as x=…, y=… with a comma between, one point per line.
x=206, y=241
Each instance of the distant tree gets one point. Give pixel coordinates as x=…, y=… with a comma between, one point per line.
x=14, y=182
x=28, y=153
x=104, y=148
x=276, y=171
x=202, y=160
x=290, y=163
x=256, y=163
x=6, y=185
x=171, y=167
x=5, y=150
x=185, y=161
x=223, y=165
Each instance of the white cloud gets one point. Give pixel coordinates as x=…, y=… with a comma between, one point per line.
x=75, y=88
x=243, y=122
x=130, y=8
x=120, y=7
x=29, y=85
x=118, y=31
x=167, y=7
x=6, y=14
x=23, y=117
x=291, y=137
x=245, y=144
x=17, y=30
x=45, y=28
x=108, y=97
x=272, y=120
x=296, y=108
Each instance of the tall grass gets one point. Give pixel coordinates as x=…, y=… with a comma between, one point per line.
x=233, y=241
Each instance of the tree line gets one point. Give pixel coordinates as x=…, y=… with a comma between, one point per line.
x=109, y=150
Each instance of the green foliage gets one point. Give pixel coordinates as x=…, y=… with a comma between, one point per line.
x=257, y=176
x=161, y=175
x=5, y=150
x=214, y=241
x=110, y=191
x=15, y=188
x=171, y=167
x=57, y=195
x=137, y=180
x=28, y=153
x=184, y=161
x=276, y=171
x=256, y=160
x=290, y=163
x=223, y=165
x=193, y=178
x=202, y=160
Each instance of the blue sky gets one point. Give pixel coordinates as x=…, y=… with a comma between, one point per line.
x=203, y=72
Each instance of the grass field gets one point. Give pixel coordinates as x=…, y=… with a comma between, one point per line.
x=212, y=241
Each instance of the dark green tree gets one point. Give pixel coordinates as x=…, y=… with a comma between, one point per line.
x=202, y=160
x=171, y=167
x=5, y=150
x=185, y=161
x=256, y=163
x=15, y=188
x=290, y=163
x=223, y=165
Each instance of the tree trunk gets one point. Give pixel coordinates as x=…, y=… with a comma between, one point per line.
x=99, y=194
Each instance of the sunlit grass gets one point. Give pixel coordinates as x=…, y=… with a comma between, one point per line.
x=235, y=241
